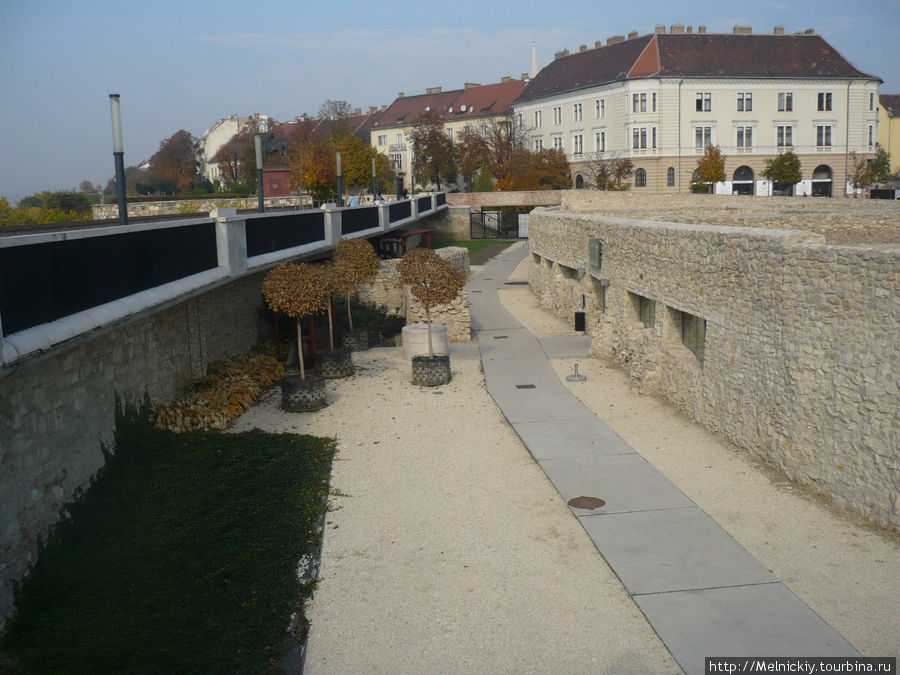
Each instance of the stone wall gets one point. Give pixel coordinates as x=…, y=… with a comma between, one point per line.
x=799, y=360
x=59, y=409
x=385, y=290
x=184, y=206
x=488, y=200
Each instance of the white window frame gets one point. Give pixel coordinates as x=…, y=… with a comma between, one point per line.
x=599, y=108
x=654, y=102
x=871, y=102
x=824, y=101
x=785, y=101
x=578, y=143
x=600, y=140
x=557, y=140
x=784, y=135
x=576, y=112
x=639, y=102
x=705, y=137
x=538, y=144
x=824, y=136
x=745, y=101
x=382, y=140
x=538, y=119
x=744, y=138
x=872, y=138
x=557, y=115
x=703, y=101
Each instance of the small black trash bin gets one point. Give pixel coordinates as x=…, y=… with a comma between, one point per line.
x=579, y=321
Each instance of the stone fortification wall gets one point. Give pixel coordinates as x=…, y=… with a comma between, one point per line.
x=59, y=409
x=385, y=290
x=488, y=200
x=841, y=221
x=779, y=341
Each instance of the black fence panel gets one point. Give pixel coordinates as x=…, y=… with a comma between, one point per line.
x=359, y=219
x=441, y=199
x=400, y=211
x=423, y=204
x=47, y=281
x=265, y=235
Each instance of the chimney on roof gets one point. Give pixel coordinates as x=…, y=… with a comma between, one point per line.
x=471, y=85
x=779, y=30
x=676, y=28
x=633, y=34
x=582, y=48
x=373, y=109
x=525, y=77
x=401, y=95
x=357, y=111
x=505, y=78
x=559, y=55
x=690, y=29
x=659, y=28
x=615, y=39
x=809, y=31
x=598, y=43
x=701, y=30
x=743, y=30
x=383, y=107
x=433, y=90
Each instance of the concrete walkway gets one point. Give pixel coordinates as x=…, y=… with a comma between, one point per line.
x=701, y=591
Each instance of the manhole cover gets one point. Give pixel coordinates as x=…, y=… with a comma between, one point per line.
x=589, y=503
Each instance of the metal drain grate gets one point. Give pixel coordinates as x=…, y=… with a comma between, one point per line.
x=500, y=337
x=516, y=283
x=525, y=386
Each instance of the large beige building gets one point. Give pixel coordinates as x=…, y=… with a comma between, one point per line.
x=660, y=99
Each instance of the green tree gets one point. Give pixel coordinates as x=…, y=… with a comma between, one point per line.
x=859, y=172
x=434, y=154
x=784, y=171
x=880, y=167
x=711, y=167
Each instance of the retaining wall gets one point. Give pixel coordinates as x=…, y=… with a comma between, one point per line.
x=799, y=360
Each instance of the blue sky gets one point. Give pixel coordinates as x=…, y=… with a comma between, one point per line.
x=185, y=65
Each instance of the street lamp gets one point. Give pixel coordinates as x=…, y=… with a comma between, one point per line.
x=257, y=144
x=340, y=181
x=118, y=156
x=374, y=182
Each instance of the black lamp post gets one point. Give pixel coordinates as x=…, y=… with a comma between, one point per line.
x=374, y=182
x=257, y=144
x=118, y=156
x=340, y=181
x=400, y=175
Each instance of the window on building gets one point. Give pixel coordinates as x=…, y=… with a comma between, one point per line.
x=538, y=144
x=653, y=133
x=600, y=108
x=744, y=138
x=557, y=143
x=644, y=309
x=599, y=141
x=823, y=136
x=654, y=102
x=704, y=101
x=824, y=101
x=871, y=137
x=744, y=102
x=670, y=177
x=400, y=140
x=639, y=138
x=693, y=334
x=784, y=136
x=871, y=102
x=576, y=112
x=382, y=139
x=577, y=144
x=520, y=121
x=702, y=137
x=397, y=161
x=450, y=133
x=538, y=118
x=639, y=103
x=785, y=101
x=557, y=115
x=640, y=178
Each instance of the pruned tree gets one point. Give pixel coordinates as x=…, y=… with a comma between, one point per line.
x=711, y=167
x=434, y=154
x=298, y=291
x=784, y=170
x=605, y=171
x=355, y=261
x=432, y=280
x=859, y=173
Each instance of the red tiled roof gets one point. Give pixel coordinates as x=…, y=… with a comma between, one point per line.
x=693, y=55
x=448, y=106
x=891, y=103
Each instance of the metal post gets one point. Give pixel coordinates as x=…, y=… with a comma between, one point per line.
x=118, y=156
x=340, y=181
x=257, y=143
x=374, y=182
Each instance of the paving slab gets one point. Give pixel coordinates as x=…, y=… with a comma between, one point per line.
x=626, y=482
x=564, y=346
x=672, y=550
x=562, y=440
x=755, y=620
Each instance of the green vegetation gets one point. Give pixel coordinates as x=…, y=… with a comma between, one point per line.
x=65, y=206
x=181, y=556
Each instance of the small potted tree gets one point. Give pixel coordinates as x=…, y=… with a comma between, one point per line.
x=298, y=291
x=433, y=281
x=355, y=261
x=336, y=362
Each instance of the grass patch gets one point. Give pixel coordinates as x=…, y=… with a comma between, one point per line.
x=474, y=245
x=181, y=556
